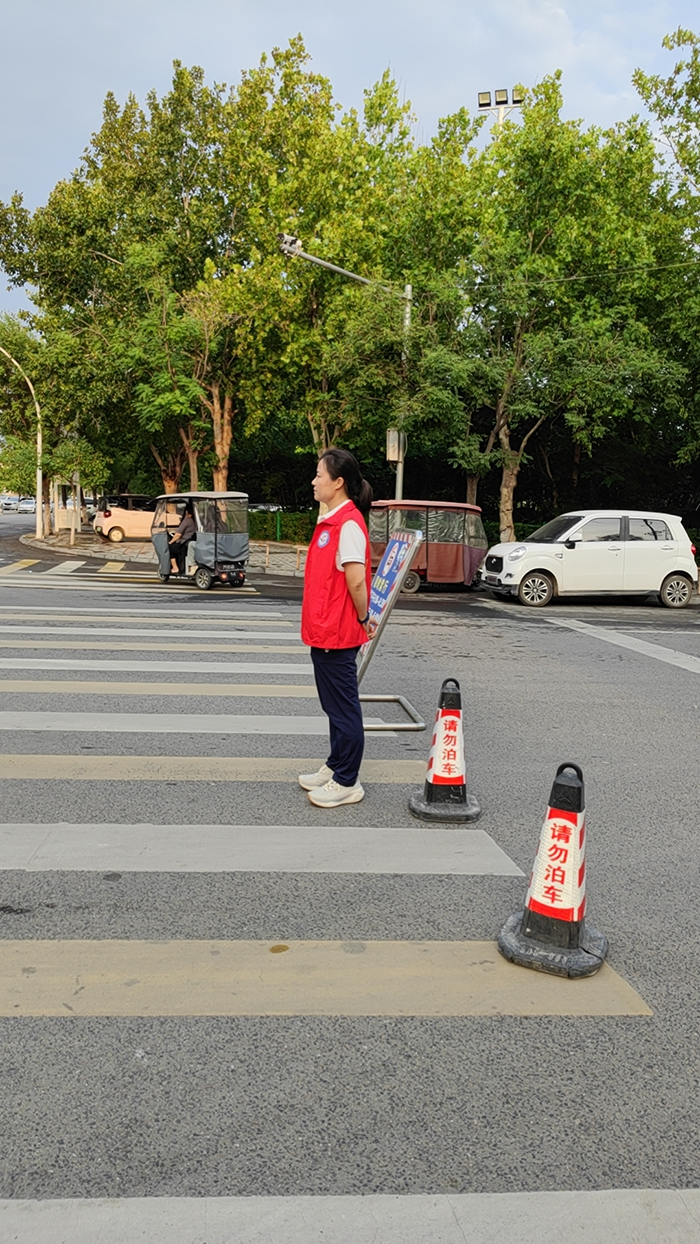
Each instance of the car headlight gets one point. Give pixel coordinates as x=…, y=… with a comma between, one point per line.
x=517, y=553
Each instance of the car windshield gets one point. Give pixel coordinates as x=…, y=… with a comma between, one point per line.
x=553, y=530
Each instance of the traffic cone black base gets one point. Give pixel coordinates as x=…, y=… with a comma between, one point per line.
x=528, y=952
x=551, y=934
x=444, y=796
x=469, y=810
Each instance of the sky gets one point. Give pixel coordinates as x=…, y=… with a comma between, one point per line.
x=58, y=59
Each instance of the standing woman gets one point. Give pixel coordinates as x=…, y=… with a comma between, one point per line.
x=335, y=621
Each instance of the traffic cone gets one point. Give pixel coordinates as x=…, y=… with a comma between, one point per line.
x=552, y=934
x=445, y=796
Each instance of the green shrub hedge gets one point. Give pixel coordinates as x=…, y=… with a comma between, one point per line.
x=279, y=525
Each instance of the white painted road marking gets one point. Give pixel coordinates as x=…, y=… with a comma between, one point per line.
x=61, y=686
x=222, y=615
x=669, y=655
x=91, y=583
x=154, y=667
x=167, y=723
x=97, y=631
x=64, y=567
x=634, y=1216
x=113, y=645
x=253, y=848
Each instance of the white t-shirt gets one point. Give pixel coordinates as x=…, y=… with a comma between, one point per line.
x=352, y=546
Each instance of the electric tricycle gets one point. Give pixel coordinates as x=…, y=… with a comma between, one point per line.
x=454, y=540
x=205, y=534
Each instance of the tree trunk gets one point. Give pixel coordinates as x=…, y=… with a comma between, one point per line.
x=188, y=439
x=222, y=423
x=472, y=487
x=171, y=468
x=547, y=466
x=577, y=465
x=509, y=480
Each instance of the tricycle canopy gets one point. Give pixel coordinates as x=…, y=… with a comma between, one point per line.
x=221, y=518
x=455, y=541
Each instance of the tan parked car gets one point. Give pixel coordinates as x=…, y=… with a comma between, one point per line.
x=124, y=517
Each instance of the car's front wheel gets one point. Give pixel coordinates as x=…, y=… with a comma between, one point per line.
x=676, y=591
x=536, y=589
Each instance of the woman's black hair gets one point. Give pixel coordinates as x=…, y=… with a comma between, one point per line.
x=341, y=464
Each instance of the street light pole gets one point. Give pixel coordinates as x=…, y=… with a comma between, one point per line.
x=407, y=309
x=502, y=108
x=39, y=447
x=290, y=245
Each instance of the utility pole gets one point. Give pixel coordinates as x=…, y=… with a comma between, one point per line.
x=39, y=447
x=290, y=245
x=401, y=439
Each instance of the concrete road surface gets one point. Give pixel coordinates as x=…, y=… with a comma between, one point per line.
x=229, y=1016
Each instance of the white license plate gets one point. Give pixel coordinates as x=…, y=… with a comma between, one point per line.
x=492, y=578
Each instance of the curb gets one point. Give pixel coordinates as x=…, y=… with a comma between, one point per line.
x=110, y=555
x=117, y=552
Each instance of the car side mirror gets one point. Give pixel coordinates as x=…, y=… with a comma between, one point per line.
x=572, y=541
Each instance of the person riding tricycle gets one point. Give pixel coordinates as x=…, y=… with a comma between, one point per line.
x=202, y=536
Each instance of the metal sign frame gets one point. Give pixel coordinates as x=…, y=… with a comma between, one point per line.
x=380, y=611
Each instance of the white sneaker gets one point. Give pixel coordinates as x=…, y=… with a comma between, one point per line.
x=308, y=781
x=332, y=794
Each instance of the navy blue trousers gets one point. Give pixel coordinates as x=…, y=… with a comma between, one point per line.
x=335, y=671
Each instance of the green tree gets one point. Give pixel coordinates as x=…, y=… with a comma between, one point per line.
x=564, y=240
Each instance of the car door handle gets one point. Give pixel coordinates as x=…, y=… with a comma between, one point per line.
x=668, y=546
x=614, y=548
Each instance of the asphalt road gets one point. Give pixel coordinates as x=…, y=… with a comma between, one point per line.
x=346, y=1105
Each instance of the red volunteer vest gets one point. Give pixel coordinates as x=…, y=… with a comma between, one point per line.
x=328, y=616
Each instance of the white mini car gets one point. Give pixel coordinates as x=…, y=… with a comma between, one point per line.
x=597, y=552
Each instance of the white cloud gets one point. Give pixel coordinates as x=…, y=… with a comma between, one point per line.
x=57, y=61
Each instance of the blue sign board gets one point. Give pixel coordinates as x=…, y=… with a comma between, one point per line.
x=386, y=585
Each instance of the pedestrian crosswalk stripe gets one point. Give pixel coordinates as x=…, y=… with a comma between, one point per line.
x=64, y=567
x=22, y=686
x=77, y=613
x=88, y=584
x=419, y=850
x=626, y=1215
x=249, y=630
x=38, y=767
x=111, y=645
x=20, y=565
x=156, y=667
x=169, y=723
x=111, y=567
x=119, y=978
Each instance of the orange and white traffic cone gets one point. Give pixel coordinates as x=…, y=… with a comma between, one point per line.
x=445, y=796
x=552, y=934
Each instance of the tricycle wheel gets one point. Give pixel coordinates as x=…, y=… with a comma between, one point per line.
x=411, y=583
x=203, y=578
